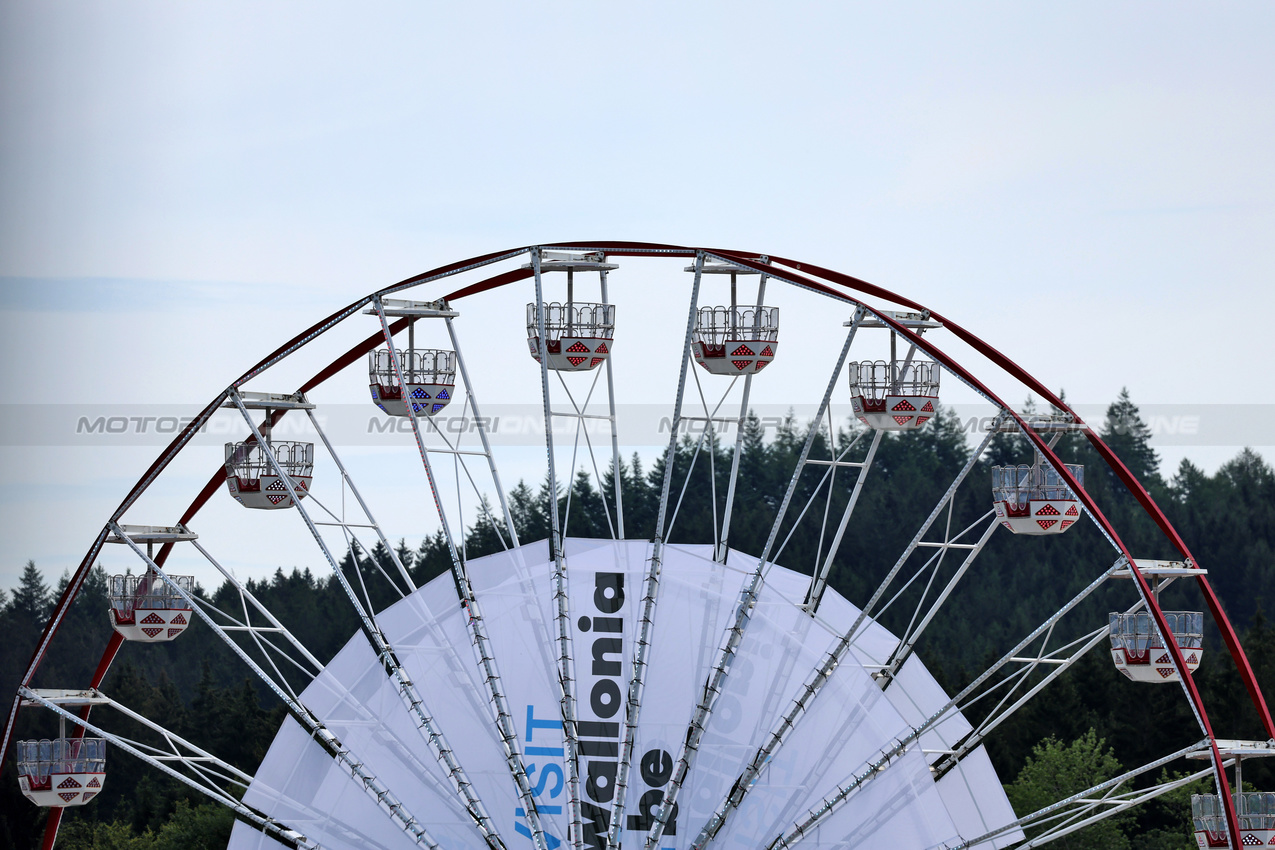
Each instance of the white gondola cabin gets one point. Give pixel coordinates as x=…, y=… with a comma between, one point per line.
x=61, y=772
x=1136, y=647
x=253, y=471
x=1254, y=810
x=735, y=339
x=899, y=394
x=1256, y=813
x=1032, y=499
x=429, y=375
x=579, y=335
x=1139, y=653
x=895, y=395
x=145, y=607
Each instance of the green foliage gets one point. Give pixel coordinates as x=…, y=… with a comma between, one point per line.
x=1055, y=771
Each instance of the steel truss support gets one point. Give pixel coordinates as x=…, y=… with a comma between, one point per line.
x=561, y=594
x=723, y=540
x=349, y=762
x=1097, y=803
x=275, y=829
x=651, y=584
x=481, y=425
x=367, y=512
x=1058, y=662
x=477, y=635
x=907, y=643
x=947, y=496
x=834, y=801
x=819, y=581
x=743, y=615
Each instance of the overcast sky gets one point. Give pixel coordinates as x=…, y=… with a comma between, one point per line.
x=1089, y=186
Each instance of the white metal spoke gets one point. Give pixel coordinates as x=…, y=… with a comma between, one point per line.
x=478, y=638
x=651, y=584
x=348, y=481
x=615, y=437
x=925, y=526
x=480, y=425
x=699, y=444
x=820, y=582
x=913, y=634
x=743, y=615
x=723, y=540
x=561, y=600
x=827, y=478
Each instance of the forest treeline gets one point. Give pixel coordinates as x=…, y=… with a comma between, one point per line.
x=197, y=687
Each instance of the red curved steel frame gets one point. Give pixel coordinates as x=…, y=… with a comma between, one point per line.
x=806, y=275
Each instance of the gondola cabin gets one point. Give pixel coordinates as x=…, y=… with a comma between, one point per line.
x=1139, y=653
x=578, y=335
x=1254, y=810
x=1033, y=499
x=423, y=377
x=735, y=339
x=899, y=394
x=1137, y=649
x=894, y=395
x=429, y=376
x=61, y=772
x=254, y=472
x=147, y=608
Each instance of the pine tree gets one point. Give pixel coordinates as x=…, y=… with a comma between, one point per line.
x=31, y=599
x=1130, y=438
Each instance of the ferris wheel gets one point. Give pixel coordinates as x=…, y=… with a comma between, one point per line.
x=631, y=690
